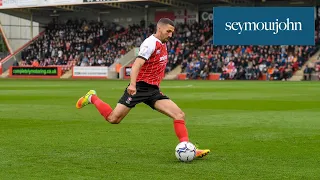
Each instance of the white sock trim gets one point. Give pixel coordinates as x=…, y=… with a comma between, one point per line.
x=90, y=98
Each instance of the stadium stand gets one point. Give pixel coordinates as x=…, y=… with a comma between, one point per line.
x=70, y=43
x=186, y=39
x=248, y=62
x=82, y=43
x=92, y=44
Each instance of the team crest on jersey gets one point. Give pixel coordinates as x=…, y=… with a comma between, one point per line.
x=128, y=100
x=158, y=51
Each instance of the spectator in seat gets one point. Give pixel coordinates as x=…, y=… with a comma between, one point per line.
x=184, y=65
x=195, y=73
x=263, y=68
x=287, y=73
x=85, y=61
x=224, y=75
x=189, y=70
x=196, y=69
x=281, y=70
x=240, y=73
x=249, y=73
x=205, y=72
x=276, y=73
x=231, y=69
x=307, y=73
x=270, y=71
x=232, y=72
x=35, y=63
x=256, y=72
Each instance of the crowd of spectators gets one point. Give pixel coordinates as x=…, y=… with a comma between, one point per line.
x=246, y=62
x=187, y=37
x=74, y=42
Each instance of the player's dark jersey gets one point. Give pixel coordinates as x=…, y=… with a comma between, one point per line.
x=156, y=55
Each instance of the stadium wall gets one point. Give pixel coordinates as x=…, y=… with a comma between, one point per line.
x=18, y=31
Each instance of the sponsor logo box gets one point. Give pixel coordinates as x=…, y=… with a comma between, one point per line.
x=263, y=25
x=90, y=72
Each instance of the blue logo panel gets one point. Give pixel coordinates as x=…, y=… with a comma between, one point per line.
x=263, y=26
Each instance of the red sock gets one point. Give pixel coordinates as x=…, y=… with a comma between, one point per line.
x=104, y=108
x=181, y=130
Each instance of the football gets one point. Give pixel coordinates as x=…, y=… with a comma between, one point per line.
x=185, y=151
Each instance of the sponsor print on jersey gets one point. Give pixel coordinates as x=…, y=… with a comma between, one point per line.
x=163, y=58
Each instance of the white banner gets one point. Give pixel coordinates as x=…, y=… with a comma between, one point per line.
x=90, y=71
x=179, y=16
x=185, y=16
x=9, y=4
x=192, y=16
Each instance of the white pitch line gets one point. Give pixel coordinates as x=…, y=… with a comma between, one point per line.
x=176, y=87
x=167, y=87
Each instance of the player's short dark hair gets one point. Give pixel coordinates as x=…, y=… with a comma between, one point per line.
x=166, y=21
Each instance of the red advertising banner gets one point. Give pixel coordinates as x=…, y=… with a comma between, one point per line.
x=164, y=14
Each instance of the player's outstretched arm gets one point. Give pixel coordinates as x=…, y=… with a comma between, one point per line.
x=134, y=74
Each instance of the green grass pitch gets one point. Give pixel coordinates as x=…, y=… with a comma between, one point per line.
x=255, y=130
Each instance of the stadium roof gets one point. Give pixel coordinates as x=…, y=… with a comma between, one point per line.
x=201, y=5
